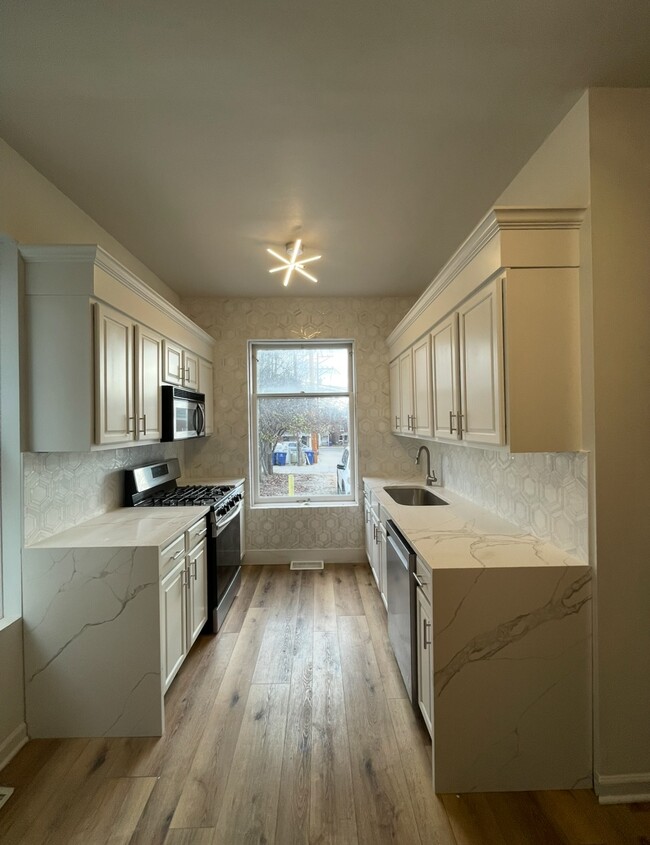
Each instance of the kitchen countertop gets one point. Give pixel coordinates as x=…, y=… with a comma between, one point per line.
x=463, y=535
x=126, y=527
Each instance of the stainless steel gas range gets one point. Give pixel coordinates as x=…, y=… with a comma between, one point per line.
x=155, y=485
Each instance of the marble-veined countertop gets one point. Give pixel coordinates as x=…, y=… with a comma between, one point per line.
x=126, y=527
x=462, y=535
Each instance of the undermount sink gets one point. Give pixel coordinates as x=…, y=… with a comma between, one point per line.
x=417, y=496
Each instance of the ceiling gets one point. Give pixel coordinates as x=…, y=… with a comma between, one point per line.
x=198, y=133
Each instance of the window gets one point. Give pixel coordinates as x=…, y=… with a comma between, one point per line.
x=302, y=422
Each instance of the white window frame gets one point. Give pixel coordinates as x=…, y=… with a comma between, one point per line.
x=258, y=501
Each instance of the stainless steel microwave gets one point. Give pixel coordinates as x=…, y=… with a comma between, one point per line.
x=183, y=413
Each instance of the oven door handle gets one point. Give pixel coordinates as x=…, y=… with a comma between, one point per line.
x=221, y=526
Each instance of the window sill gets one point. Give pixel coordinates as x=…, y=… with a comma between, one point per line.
x=302, y=505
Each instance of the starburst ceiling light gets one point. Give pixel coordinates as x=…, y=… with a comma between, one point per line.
x=294, y=250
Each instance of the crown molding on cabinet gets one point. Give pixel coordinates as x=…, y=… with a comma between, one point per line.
x=499, y=220
x=93, y=253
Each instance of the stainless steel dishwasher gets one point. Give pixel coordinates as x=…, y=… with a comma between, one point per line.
x=400, y=563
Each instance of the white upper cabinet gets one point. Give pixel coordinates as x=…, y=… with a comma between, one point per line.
x=93, y=340
x=181, y=366
x=421, y=424
x=481, y=413
x=114, y=413
x=206, y=386
x=503, y=320
x=445, y=378
x=148, y=375
x=395, y=398
x=410, y=391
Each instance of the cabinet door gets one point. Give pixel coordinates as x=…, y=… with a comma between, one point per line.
x=197, y=573
x=425, y=659
x=206, y=387
x=395, y=398
x=173, y=604
x=172, y=363
x=369, y=530
x=383, y=572
x=444, y=376
x=190, y=370
x=148, y=375
x=114, y=411
x=481, y=366
x=422, y=388
x=406, y=392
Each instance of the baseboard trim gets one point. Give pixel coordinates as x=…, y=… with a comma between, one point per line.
x=275, y=557
x=12, y=744
x=622, y=789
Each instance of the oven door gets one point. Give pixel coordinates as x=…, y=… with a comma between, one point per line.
x=228, y=550
x=189, y=419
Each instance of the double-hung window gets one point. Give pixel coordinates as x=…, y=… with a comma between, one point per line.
x=302, y=422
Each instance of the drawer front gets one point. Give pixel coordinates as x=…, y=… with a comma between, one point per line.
x=426, y=578
x=198, y=532
x=172, y=554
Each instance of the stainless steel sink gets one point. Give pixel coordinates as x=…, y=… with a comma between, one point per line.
x=417, y=496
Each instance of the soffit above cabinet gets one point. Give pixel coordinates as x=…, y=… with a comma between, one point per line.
x=88, y=270
x=506, y=237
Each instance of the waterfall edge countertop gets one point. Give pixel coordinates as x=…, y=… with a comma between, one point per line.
x=462, y=535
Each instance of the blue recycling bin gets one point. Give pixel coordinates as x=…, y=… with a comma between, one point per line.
x=309, y=456
x=279, y=458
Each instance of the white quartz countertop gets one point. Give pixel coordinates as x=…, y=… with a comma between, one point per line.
x=462, y=535
x=127, y=527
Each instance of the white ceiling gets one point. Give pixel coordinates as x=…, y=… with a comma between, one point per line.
x=200, y=132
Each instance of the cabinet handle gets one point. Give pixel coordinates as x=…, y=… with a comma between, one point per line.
x=377, y=536
x=451, y=422
x=396, y=422
x=194, y=564
x=130, y=430
x=413, y=423
x=202, y=533
x=178, y=554
x=460, y=421
x=374, y=533
x=418, y=580
x=187, y=373
x=425, y=642
x=184, y=578
x=144, y=424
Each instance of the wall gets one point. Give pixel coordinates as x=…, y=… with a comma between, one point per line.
x=620, y=210
x=35, y=211
x=232, y=322
x=544, y=494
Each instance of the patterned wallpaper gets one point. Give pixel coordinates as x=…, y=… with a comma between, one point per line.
x=544, y=494
x=62, y=489
x=232, y=322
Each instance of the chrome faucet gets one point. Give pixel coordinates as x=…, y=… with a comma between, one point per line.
x=431, y=476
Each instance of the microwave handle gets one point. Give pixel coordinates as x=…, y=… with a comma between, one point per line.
x=200, y=428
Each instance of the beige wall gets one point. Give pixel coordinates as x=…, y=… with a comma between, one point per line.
x=34, y=211
x=620, y=210
x=232, y=322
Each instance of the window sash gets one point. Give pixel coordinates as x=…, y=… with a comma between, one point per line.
x=268, y=501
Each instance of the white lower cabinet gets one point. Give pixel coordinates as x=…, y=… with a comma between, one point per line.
x=183, y=597
x=424, y=657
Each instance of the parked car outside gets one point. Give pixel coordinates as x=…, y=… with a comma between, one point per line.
x=343, y=486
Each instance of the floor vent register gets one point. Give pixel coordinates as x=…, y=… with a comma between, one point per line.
x=307, y=564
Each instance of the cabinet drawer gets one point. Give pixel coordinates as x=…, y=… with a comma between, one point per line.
x=172, y=554
x=425, y=576
x=198, y=532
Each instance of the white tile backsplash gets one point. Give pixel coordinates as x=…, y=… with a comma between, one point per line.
x=544, y=494
x=63, y=489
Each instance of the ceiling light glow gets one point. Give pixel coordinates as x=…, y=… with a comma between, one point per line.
x=294, y=250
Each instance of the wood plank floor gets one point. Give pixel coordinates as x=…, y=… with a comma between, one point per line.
x=291, y=726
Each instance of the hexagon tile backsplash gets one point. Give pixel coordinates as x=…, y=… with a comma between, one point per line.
x=544, y=494
x=62, y=489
